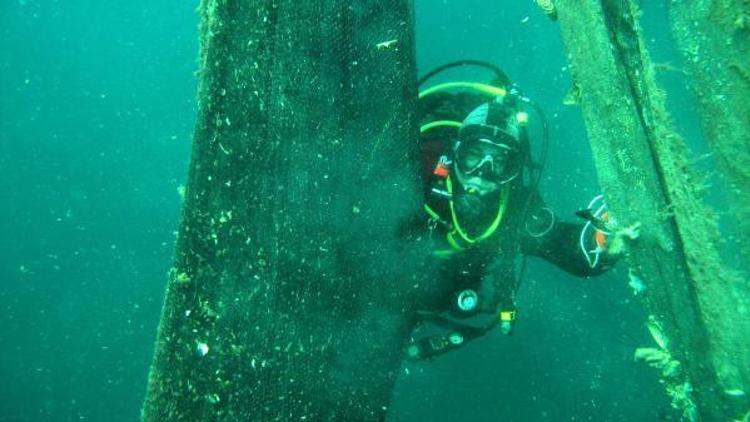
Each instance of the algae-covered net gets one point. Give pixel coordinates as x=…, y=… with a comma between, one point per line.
x=289, y=293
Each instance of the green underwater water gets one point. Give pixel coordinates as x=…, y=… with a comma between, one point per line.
x=97, y=107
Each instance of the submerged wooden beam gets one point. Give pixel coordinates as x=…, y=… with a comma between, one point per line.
x=290, y=296
x=697, y=317
x=714, y=37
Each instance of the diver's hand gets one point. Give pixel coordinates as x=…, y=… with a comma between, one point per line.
x=601, y=236
x=616, y=244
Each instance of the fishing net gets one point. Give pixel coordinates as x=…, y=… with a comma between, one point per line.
x=291, y=289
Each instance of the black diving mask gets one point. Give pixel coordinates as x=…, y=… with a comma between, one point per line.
x=490, y=159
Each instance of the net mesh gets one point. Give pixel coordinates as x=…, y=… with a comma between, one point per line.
x=291, y=290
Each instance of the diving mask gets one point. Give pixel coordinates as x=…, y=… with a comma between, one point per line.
x=487, y=159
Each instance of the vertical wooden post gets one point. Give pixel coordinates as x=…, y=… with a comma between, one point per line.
x=643, y=167
x=714, y=37
x=290, y=294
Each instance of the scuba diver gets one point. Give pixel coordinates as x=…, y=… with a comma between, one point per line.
x=484, y=214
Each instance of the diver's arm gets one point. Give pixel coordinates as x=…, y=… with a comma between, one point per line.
x=561, y=247
x=562, y=243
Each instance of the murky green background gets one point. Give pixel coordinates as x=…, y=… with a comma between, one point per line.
x=97, y=105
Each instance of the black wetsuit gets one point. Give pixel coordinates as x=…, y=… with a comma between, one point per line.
x=490, y=267
x=527, y=228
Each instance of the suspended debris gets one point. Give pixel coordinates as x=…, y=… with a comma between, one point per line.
x=548, y=8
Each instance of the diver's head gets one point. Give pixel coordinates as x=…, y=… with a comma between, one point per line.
x=487, y=153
